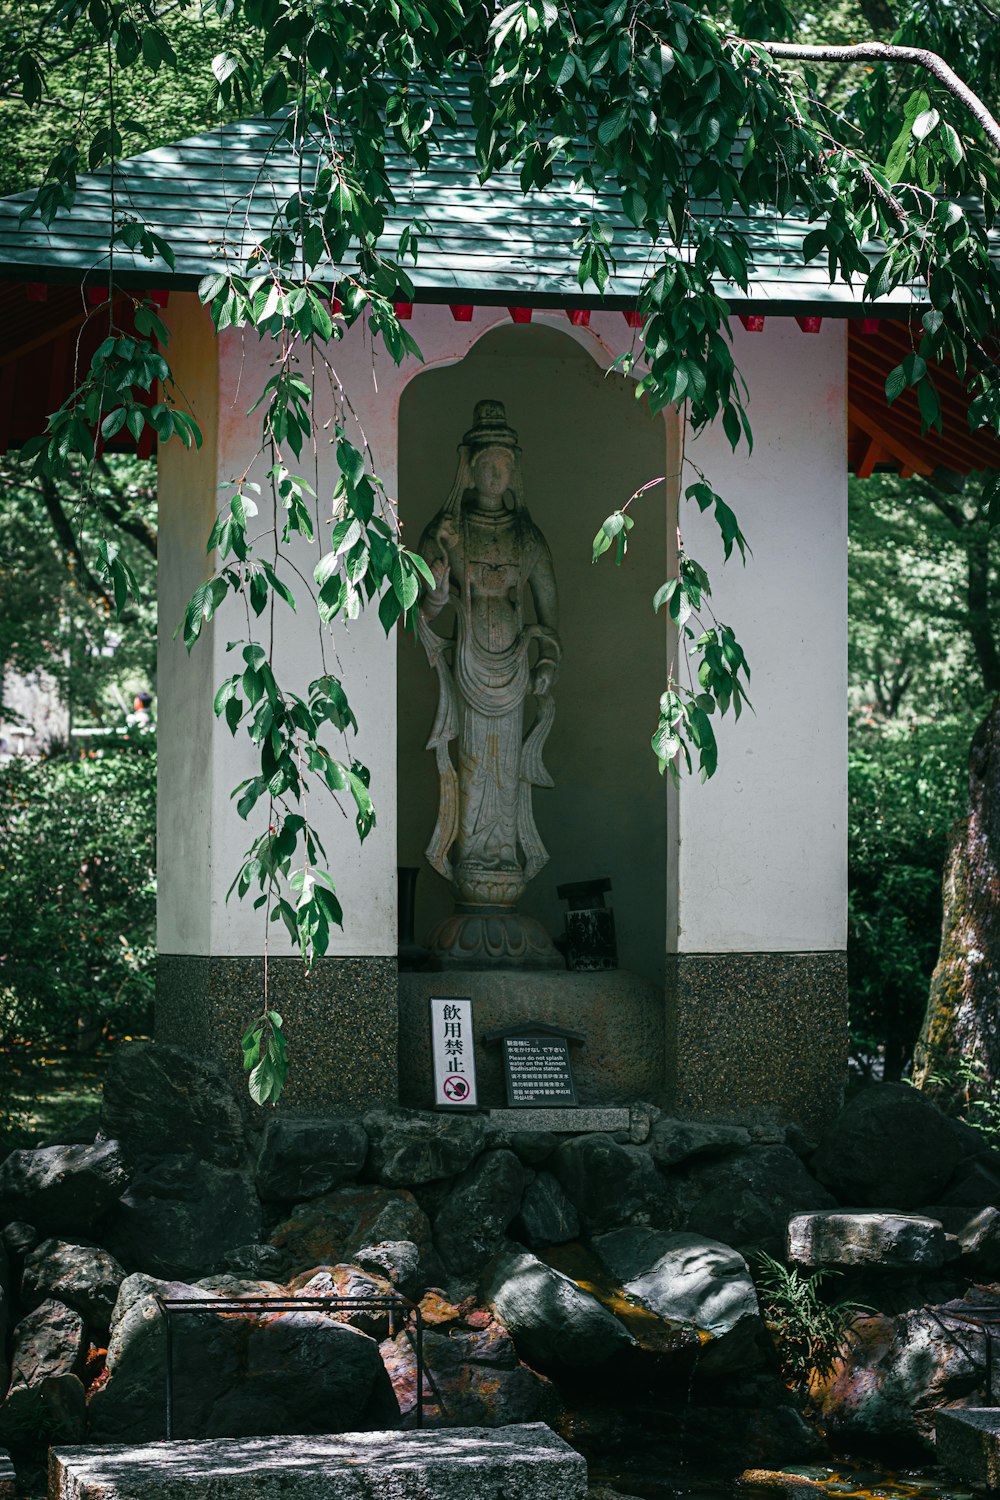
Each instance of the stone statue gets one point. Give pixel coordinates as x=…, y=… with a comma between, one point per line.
x=485, y=552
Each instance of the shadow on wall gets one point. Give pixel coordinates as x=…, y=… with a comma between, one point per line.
x=587, y=444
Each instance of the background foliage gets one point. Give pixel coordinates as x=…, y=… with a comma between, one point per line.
x=56, y=616
x=77, y=869
x=920, y=659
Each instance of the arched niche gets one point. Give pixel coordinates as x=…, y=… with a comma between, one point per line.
x=587, y=445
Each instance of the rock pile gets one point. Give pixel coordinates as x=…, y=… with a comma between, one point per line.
x=542, y=1264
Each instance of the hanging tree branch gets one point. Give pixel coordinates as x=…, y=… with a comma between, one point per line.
x=887, y=52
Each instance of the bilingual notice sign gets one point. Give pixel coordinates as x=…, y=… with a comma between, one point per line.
x=454, y=1054
x=537, y=1064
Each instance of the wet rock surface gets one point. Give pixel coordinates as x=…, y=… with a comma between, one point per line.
x=554, y=1322
x=84, y=1277
x=181, y=1215
x=470, y=1224
x=685, y=1278
x=836, y=1238
x=607, y=1182
x=547, y=1217
x=547, y=1266
x=235, y=1374
x=164, y=1101
x=303, y=1158
x=898, y=1370
x=60, y=1188
x=889, y=1148
x=473, y=1376
x=409, y=1149
x=746, y=1200
x=328, y=1230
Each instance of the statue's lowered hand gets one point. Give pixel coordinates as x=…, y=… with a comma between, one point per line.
x=542, y=678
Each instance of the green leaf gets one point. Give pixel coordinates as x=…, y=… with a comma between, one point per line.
x=404, y=584
x=665, y=593
x=895, y=383
x=925, y=122
x=612, y=125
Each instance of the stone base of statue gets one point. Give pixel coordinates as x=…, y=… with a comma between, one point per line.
x=621, y=1014
x=497, y=938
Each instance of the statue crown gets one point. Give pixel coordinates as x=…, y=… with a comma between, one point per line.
x=489, y=426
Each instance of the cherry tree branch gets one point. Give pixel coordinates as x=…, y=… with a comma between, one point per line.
x=887, y=52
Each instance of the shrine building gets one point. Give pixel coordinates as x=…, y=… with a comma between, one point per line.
x=730, y=897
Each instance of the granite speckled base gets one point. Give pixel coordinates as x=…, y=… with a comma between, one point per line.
x=341, y=1021
x=757, y=1035
x=621, y=1015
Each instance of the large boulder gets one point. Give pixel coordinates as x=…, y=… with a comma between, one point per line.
x=235, y=1375
x=687, y=1279
x=746, y=1200
x=304, y=1158
x=894, y=1375
x=257, y=1261
x=46, y=1397
x=470, y=1224
x=350, y=1281
x=62, y=1188
x=181, y=1215
x=84, y=1277
x=473, y=1377
x=889, y=1147
x=976, y=1184
x=979, y=1242
x=327, y=1231
x=893, y=1241
x=398, y=1261
x=547, y=1217
x=608, y=1183
x=554, y=1322
x=409, y=1148
x=674, y=1141
x=162, y=1101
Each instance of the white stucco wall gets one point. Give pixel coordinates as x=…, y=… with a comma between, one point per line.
x=762, y=856
x=756, y=859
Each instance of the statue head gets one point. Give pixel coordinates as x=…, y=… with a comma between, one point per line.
x=489, y=458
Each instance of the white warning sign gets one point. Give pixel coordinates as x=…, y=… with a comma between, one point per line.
x=454, y=1053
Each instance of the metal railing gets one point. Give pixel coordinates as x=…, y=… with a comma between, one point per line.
x=399, y=1308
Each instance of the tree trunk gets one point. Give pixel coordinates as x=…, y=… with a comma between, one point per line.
x=961, y=1030
x=980, y=616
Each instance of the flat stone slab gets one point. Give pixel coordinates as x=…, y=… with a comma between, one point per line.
x=968, y=1443
x=562, y=1121
x=526, y=1462
x=836, y=1237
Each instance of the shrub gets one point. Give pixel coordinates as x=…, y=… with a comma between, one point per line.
x=809, y=1332
x=78, y=884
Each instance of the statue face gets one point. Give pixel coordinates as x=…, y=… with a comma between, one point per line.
x=492, y=470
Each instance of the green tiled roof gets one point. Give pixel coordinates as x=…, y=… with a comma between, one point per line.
x=211, y=198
